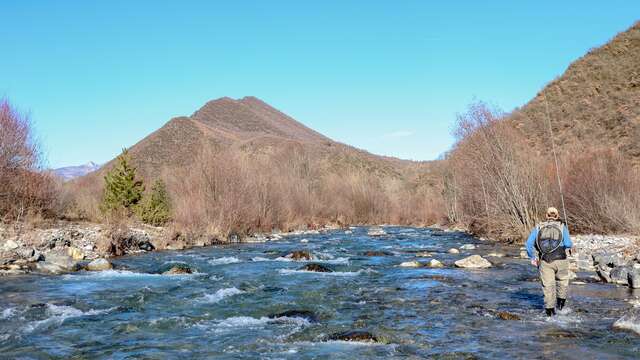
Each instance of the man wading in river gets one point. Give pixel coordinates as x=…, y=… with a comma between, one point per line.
x=547, y=247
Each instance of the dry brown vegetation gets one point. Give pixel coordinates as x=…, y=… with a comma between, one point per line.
x=24, y=190
x=496, y=184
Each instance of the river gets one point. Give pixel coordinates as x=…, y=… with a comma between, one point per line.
x=232, y=306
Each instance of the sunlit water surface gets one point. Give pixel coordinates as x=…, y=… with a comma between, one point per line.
x=223, y=311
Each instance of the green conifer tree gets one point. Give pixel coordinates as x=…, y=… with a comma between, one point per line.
x=122, y=190
x=156, y=207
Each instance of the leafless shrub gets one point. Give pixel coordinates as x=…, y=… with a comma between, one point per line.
x=24, y=188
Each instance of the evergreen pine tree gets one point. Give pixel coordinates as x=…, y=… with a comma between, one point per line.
x=156, y=207
x=122, y=190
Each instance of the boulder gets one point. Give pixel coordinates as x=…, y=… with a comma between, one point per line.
x=610, y=260
x=147, y=246
x=304, y=314
x=10, y=245
x=633, y=277
x=413, y=264
x=58, y=263
x=453, y=251
x=434, y=263
x=99, y=265
x=179, y=269
x=75, y=253
x=29, y=254
x=300, y=255
x=316, y=268
x=473, y=262
x=357, y=336
x=467, y=247
x=619, y=275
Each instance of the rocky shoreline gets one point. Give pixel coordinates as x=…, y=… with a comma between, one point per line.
x=83, y=246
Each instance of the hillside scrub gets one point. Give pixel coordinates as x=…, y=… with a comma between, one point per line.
x=24, y=189
x=496, y=184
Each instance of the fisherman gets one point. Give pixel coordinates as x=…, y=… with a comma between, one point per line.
x=546, y=247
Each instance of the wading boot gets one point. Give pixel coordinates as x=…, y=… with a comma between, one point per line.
x=560, y=303
x=550, y=312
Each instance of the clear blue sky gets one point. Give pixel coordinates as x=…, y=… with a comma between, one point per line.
x=386, y=76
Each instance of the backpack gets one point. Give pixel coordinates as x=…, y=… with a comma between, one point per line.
x=550, y=242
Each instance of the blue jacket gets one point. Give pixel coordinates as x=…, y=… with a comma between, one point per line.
x=531, y=241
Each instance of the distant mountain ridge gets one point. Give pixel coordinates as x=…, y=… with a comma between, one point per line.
x=71, y=172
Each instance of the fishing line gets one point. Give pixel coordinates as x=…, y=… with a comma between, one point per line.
x=555, y=157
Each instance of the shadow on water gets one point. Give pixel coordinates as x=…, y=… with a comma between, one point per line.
x=249, y=301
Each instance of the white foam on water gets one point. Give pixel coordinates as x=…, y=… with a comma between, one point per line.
x=7, y=313
x=336, y=261
x=242, y=322
x=224, y=260
x=57, y=314
x=4, y=337
x=340, y=343
x=110, y=274
x=221, y=294
x=335, y=273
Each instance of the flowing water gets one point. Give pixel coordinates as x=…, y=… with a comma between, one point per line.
x=231, y=308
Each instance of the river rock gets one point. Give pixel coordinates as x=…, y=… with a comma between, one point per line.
x=99, y=265
x=357, y=336
x=619, y=275
x=377, y=231
x=507, y=316
x=604, y=272
x=75, y=253
x=434, y=263
x=413, y=264
x=316, y=268
x=610, y=260
x=629, y=322
x=496, y=254
x=376, y=253
x=299, y=255
x=10, y=245
x=423, y=254
x=148, y=246
x=453, y=251
x=58, y=263
x=179, y=269
x=473, y=262
x=467, y=247
x=304, y=314
x=633, y=277
x=524, y=254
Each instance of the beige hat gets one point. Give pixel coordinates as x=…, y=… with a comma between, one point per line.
x=553, y=213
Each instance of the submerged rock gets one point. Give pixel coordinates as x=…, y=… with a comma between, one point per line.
x=453, y=251
x=316, y=268
x=300, y=255
x=376, y=253
x=377, y=231
x=473, y=262
x=357, y=336
x=179, y=269
x=99, y=265
x=507, y=316
x=304, y=314
x=413, y=264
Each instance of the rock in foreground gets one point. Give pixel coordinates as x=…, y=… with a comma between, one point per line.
x=357, y=336
x=473, y=262
x=99, y=265
x=316, y=268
